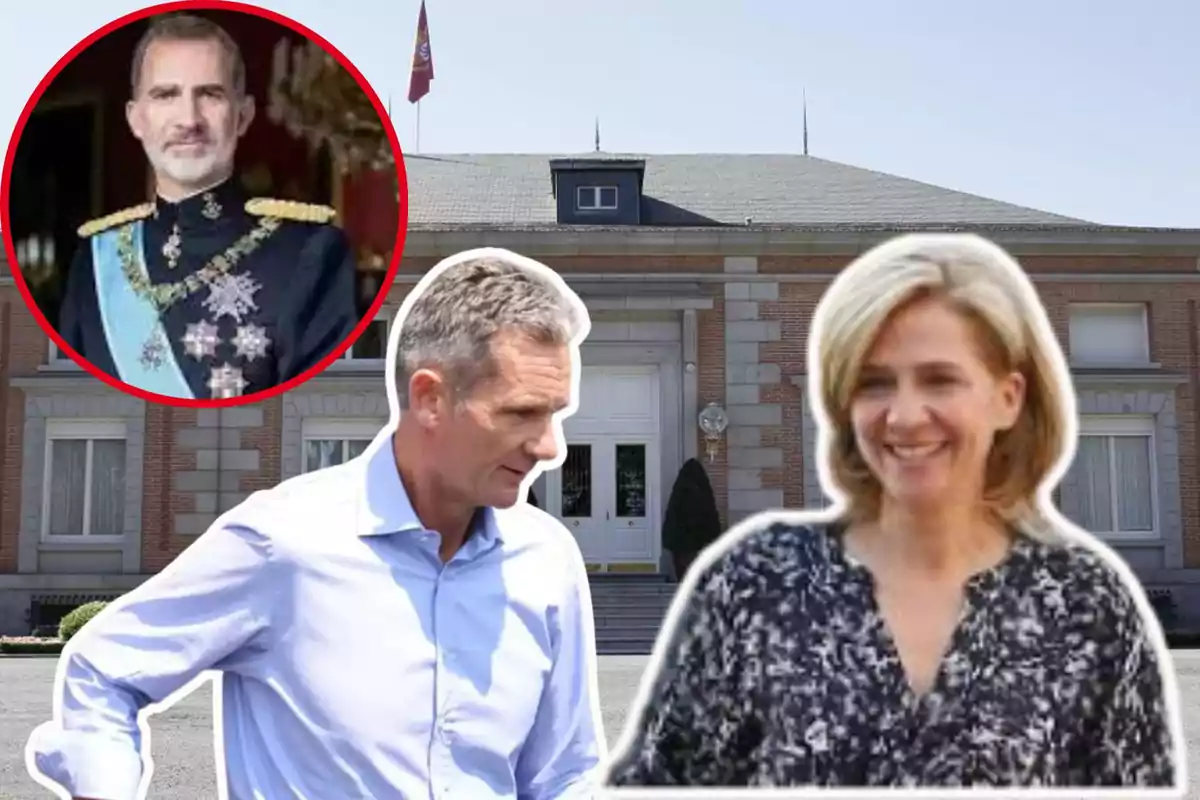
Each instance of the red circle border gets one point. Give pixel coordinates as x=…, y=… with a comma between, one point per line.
x=205, y=5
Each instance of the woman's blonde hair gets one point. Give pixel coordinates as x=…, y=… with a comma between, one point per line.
x=990, y=289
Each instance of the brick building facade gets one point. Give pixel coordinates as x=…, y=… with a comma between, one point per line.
x=701, y=274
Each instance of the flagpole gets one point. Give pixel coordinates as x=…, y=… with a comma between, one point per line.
x=422, y=72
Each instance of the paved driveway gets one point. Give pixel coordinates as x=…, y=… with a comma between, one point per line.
x=183, y=752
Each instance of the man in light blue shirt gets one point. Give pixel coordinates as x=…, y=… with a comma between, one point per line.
x=399, y=626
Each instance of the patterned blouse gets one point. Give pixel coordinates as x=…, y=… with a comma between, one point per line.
x=782, y=673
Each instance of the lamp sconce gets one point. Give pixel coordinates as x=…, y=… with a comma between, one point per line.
x=713, y=422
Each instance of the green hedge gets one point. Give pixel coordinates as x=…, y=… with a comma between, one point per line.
x=29, y=645
x=76, y=619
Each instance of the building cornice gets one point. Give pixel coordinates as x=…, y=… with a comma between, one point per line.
x=75, y=584
x=65, y=378
x=637, y=279
x=546, y=241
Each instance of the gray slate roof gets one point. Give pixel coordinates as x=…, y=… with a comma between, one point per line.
x=703, y=190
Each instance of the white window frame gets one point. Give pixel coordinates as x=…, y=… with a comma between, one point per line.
x=1112, y=426
x=90, y=430
x=598, y=193
x=386, y=315
x=56, y=359
x=1143, y=361
x=337, y=429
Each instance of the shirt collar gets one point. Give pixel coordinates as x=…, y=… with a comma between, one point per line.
x=385, y=507
x=214, y=206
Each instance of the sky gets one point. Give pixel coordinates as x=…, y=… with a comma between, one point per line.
x=1089, y=108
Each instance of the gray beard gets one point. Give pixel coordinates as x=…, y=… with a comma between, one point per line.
x=185, y=171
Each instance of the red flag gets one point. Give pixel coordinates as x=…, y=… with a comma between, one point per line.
x=422, y=67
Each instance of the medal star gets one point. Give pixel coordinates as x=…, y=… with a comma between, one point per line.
x=226, y=381
x=232, y=296
x=201, y=340
x=251, y=342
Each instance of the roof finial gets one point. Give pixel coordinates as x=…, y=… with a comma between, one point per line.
x=597, y=134
x=805, y=103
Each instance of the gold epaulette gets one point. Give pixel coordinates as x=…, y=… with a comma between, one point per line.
x=114, y=219
x=289, y=209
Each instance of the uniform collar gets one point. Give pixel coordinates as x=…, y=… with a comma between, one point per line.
x=202, y=209
x=385, y=508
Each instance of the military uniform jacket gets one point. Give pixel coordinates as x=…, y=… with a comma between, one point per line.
x=212, y=297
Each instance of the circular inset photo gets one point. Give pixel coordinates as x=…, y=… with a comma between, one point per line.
x=204, y=204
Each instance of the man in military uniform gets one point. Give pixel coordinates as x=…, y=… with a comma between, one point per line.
x=204, y=293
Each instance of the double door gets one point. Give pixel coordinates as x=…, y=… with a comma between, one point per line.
x=604, y=494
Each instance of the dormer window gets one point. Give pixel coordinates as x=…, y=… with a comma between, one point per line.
x=596, y=198
x=597, y=191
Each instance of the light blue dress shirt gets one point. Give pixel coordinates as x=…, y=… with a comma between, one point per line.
x=355, y=664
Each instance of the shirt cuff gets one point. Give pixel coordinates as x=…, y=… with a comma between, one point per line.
x=87, y=764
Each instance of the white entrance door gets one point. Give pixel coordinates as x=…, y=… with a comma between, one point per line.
x=606, y=491
x=629, y=462
x=576, y=496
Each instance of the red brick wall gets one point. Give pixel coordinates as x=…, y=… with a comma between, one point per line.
x=794, y=310
x=160, y=501
x=10, y=438
x=710, y=383
x=23, y=347
x=1129, y=265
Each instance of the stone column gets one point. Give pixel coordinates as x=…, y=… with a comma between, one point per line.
x=745, y=375
x=221, y=460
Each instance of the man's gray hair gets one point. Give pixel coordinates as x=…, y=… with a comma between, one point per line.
x=177, y=27
x=451, y=326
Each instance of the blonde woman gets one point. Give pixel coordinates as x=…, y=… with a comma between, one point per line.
x=944, y=626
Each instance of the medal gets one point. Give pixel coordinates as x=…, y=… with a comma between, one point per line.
x=173, y=249
x=251, y=342
x=201, y=340
x=232, y=296
x=226, y=382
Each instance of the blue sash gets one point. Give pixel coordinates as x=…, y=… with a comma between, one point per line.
x=130, y=321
